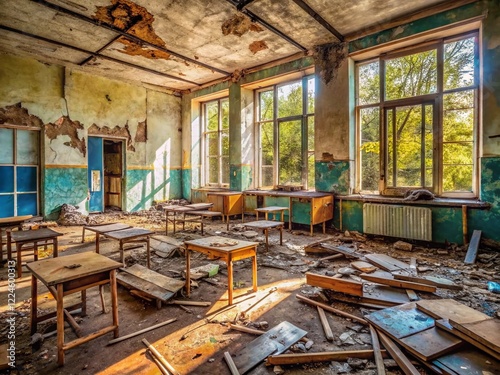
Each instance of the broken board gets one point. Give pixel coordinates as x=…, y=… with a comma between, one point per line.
x=470, y=257
x=347, y=251
x=354, y=288
x=4, y=360
x=398, y=283
x=451, y=310
x=487, y=332
x=275, y=341
x=468, y=361
x=401, y=321
x=388, y=263
x=384, y=295
x=430, y=343
x=438, y=282
x=363, y=266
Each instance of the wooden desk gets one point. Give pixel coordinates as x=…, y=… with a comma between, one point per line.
x=130, y=235
x=272, y=210
x=176, y=209
x=94, y=270
x=265, y=225
x=228, y=202
x=7, y=224
x=229, y=253
x=199, y=216
x=101, y=229
x=23, y=237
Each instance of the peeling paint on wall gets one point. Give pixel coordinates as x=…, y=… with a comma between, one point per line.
x=141, y=134
x=17, y=115
x=258, y=45
x=329, y=58
x=65, y=126
x=128, y=16
x=239, y=25
x=135, y=49
x=117, y=131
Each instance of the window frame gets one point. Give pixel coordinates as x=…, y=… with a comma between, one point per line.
x=204, y=143
x=437, y=99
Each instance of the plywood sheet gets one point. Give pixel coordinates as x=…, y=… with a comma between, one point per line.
x=354, y=288
x=469, y=361
x=401, y=321
x=430, y=343
x=451, y=309
x=487, y=332
x=134, y=282
x=388, y=263
x=382, y=294
x=363, y=266
x=275, y=341
x=172, y=285
x=4, y=361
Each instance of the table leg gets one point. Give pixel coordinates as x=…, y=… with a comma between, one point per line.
x=166, y=223
x=281, y=234
x=324, y=227
x=56, y=248
x=34, y=302
x=1, y=244
x=83, y=235
x=114, y=301
x=266, y=232
x=9, y=244
x=19, y=260
x=35, y=250
x=103, y=302
x=202, y=225
x=97, y=235
x=188, y=271
x=230, y=281
x=148, y=248
x=84, y=302
x=122, y=255
x=254, y=270
x=311, y=228
x=60, y=324
x=173, y=221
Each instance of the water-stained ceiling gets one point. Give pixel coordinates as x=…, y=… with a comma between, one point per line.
x=184, y=44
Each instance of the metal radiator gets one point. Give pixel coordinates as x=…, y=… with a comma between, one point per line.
x=398, y=221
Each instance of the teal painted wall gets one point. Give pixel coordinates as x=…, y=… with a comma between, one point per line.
x=64, y=185
x=332, y=177
x=240, y=177
x=352, y=215
x=447, y=224
x=186, y=183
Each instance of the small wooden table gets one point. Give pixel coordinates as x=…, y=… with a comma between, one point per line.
x=36, y=237
x=176, y=209
x=265, y=225
x=7, y=224
x=101, y=229
x=198, y=216
x=227, y=249
x=129, y=235
x=67, y=275
x=273, y=209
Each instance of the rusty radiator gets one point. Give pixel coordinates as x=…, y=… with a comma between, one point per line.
x=398, y=221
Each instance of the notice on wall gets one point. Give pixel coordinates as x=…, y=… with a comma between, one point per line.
x=96, y=180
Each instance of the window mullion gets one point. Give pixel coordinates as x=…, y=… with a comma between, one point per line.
x=438, y=118
x=382, y=185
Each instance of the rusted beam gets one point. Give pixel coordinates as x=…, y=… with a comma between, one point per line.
x=243, y=3
x=94, y=54
x=256, y=18
x=125, y=34
x=100, y=50
x=319, y=19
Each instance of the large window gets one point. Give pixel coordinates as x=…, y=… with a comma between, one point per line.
x=416, y=116
x=285, y=122
x=19, y=161
x=216, y=142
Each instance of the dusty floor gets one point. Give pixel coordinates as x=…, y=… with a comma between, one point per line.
x=195, y=343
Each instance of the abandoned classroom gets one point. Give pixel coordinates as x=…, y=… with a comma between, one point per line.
x=250, y=186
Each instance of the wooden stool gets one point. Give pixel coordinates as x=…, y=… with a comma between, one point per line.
x=265, y=225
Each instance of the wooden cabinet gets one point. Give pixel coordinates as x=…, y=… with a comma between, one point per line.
x=228, y=202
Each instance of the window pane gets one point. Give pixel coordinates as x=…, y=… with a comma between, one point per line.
x=7, y=179
x=27, y=204
x=429, y=145
x=7, y=205
x=7, y=146
x=370, y=148
x=411, y=75
x=290, y=100
x=408, y=137
x=225, y=114
x=27, y=147
x=310, y=148
x=290, y=153
x=310, y=133
x=213, y=170
x=266, y=105
x=458, y=67
x=311, y=94
x=267, y=153
x=390, y=147
x=457, y=178
x=212, y=116
x=458, y=116
x=225, y=170
x=212, y=144
x=26, y=179
x=457, y=153
x=368, y=83
x=225, y=143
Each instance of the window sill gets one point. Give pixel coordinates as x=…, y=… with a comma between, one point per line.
x=448, y=202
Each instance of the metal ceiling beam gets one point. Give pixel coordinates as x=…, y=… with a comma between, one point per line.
x=243, y=3
x=268, y=26
x=125, y=34
x=94, y=54
x=319, y=19
x=100, y=50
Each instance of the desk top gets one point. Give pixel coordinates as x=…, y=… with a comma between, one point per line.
x=107, y=227
x=271, y=209
x=128, y=233
x=263, y=224
x=215, y=242
x=53, y=271
x=34, y=235
x=291, y=194
x=223, y=193
x=13, y=220
x=188, y=207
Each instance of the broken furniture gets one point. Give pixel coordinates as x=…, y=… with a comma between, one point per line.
x=71, y=274
x=128, y=235
x=101, y=229
x=199, y=217
x=306, y=207
x=149, y=284
x=273, y=210
x=226, y=249
x=228, y=202
x=6, y=225
x=176, y=213
x=265, y=225
x=37, y=237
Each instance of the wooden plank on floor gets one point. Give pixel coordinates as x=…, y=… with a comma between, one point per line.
x=470, y=257
x=348, y=252
x=383, y=294
x=388, y=263
x=431, y=343
x=402, y=284
x=445, y=325
x=152, y=290
x=438, y=282
x=363, y=266
x=275, y=341
x=469, y=361
x=4, y=360
x=351, y=287
x=487, y=332
x=398, y=355
x=450, y=309
x=165, y=282
x=400, y=321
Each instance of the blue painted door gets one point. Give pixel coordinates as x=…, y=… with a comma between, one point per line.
x=96, y=174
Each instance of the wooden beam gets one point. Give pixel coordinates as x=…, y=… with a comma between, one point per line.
x=437, y=282
x=379, y=361
x=399, y=283
x=398, y=355
x=141, y=331
x=465, y=232
x=230, y=364
x=354, y=288
x=296, y=358
x=160, y=358
x=470, y=257
x=395, y=22
x=324, y=322
x=319, y=19
x=331, y=309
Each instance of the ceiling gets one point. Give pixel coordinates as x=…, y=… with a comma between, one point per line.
x=185, y=44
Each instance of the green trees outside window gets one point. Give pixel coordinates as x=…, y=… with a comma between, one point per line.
x=216, y=142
